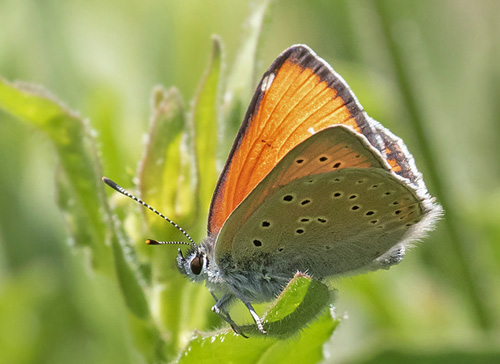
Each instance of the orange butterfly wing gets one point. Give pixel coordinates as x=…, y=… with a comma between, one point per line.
x=299, y=95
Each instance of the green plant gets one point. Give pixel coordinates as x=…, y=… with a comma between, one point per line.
x=177, y=175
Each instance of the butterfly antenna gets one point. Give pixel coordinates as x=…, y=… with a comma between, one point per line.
x=156, y=242
x=123, y=191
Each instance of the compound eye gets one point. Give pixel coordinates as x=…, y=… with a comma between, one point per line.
x=196, y=265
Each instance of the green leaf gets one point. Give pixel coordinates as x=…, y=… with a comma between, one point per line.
x=298, y=304
x=168, y=182
x=206, y=122
x=74, y=217
x=75, y=146
x=131, y=287
x=160, y=169
x=300, y=314
x=80, y=189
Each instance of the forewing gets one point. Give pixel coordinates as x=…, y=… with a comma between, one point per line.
x=299, y=95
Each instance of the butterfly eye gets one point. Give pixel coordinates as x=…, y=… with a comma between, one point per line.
x=196, y=265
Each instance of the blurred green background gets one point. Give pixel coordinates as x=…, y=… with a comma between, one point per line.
x=428, y=70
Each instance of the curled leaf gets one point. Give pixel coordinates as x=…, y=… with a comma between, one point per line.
x=300, y=313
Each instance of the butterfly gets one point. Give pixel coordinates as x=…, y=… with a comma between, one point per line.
x=311, y=184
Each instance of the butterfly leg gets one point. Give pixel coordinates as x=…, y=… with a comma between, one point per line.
x=256, y=317
x=219, y=310
x=254, y=314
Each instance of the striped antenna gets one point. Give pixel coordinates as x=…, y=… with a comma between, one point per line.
x=123, y=191
x=156, y=242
